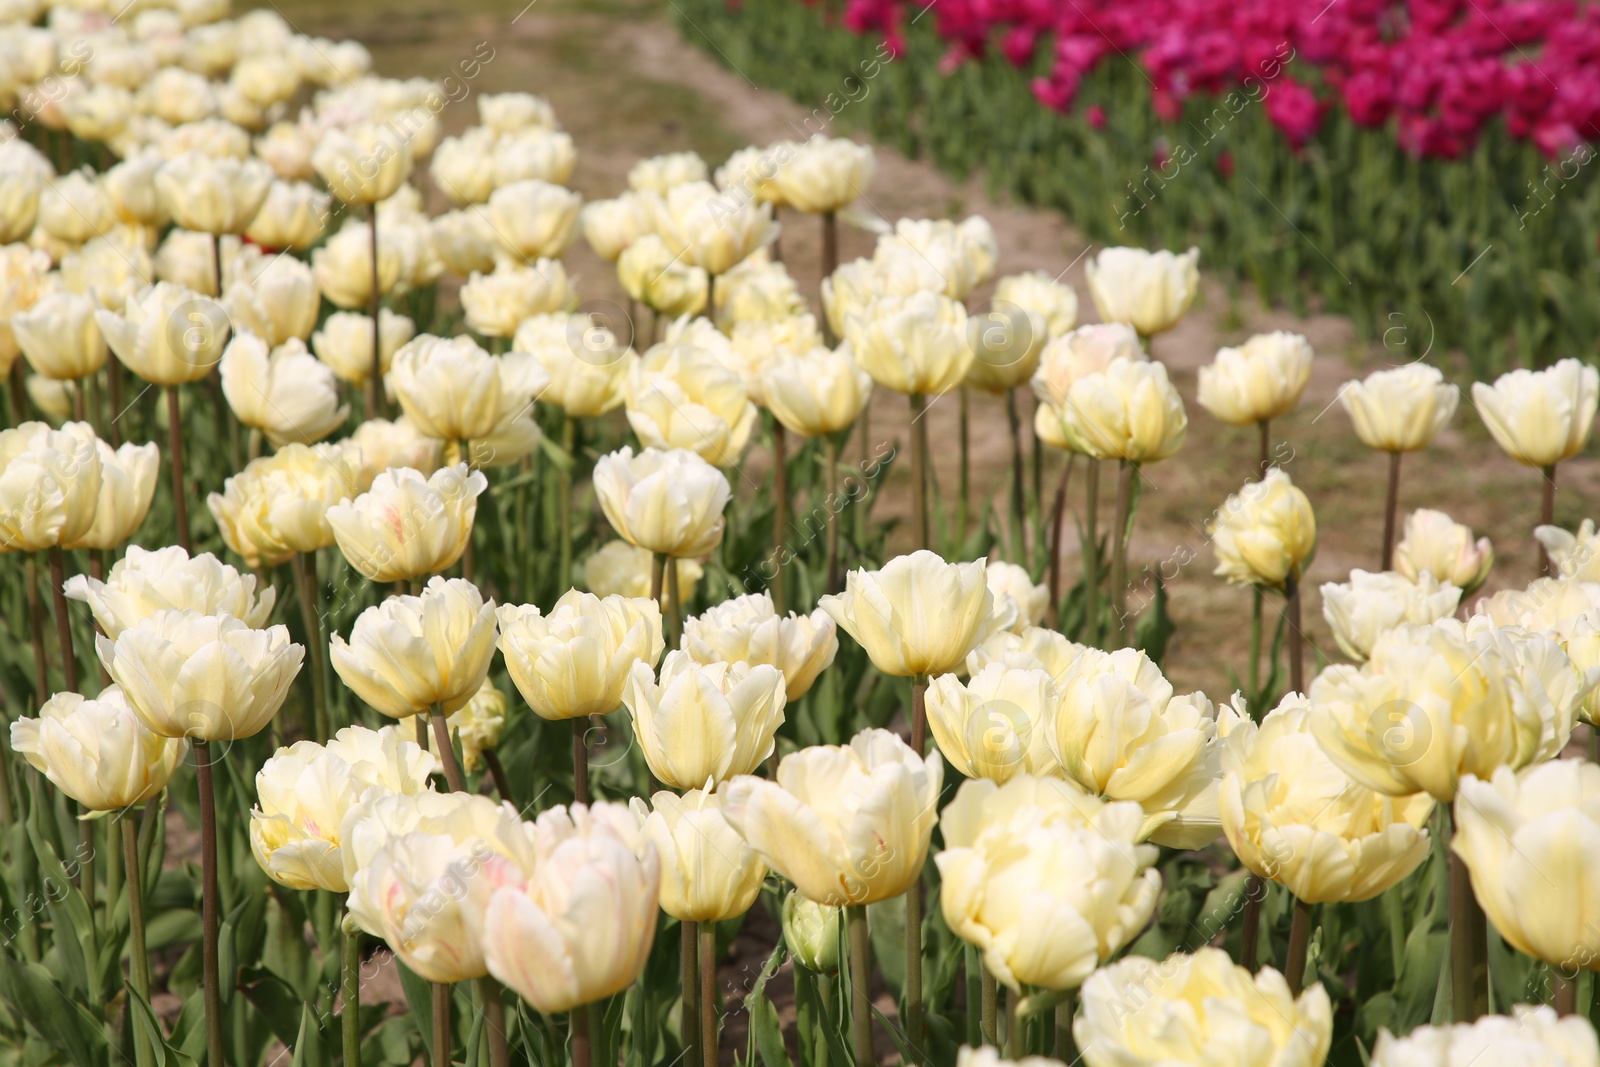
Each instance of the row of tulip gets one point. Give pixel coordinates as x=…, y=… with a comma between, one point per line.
x=1484, y=255
x=694, y=746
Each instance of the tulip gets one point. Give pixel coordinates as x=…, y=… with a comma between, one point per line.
x=49, y=485
x=611, y=226
x=211, y=195
x=278, y=506
x=574, y=662
x=1149, y=291
x=187, y=258
x=755, y=347
x=1540, y=417
x=708, y=873
x=914, y=345
x=1573, y=555
x=22, y=273
x=1119, y=733
x=757, y=290
x=266, y=78
x=176, y=96
x=540, y=938
x=277, y=302
x=1129, y=411
x=1044, y=881
x=344, y=342
x=383, y=445
x=1293, y=817
x=652, y=274
x=344, y=266
x=166, y=334
x=305, y=791
x=362, y=164
x=623, y=569
x=957, y=257
x=1265, y=534
x=97, y=751
x=1436, y=544
x=816, y=393
x=510, y=112
x=1564, y=610
x=406, y=526
x=59, y=336
x=712, y=230
x=811, y=932
x=536, y=155
x=131, y=187
x=534, y=220
x=1532, y=1034
x=994, y=726
x=293, y=215
x=478, y=725
x=1435, y=703
x=704, y=722
x=74, y=208
x=682, y=397
x=285, y=393
x=1259, y=381
x=286, y=147
x=884, y=610
x=454, y=390
x=1036, y=291
x=19, y=204
x=661, y=174
x=1033, y=648
x=496, y=304
x=1186, y=1009
x=108, y=269
x=748, y=629
x=825, y=174
x=1017, y=600
x=465, y=241
x=588, y=368
x=127, y=485
x=1370, y=604
x=463, y=167
x=143, y=583
x=669, y=503
x=847, y=824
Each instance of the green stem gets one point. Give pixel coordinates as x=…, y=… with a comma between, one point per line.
x=689, y=973
x=1391, y=506
x=913, y=989
x=58, y=581
x=1297, y=666
x=1066, y=1046
x=180, y=500
x=1256, y=599
x=494, y=1013
x=1299, y=943
x=350, y=974
x=1090, y=551
x=138, y=957
x=441, y=1024
x=1469, y=966
x=675, y=616
x=447, y=752
x=834, y=507
x=708, y=993
x=375, y=382
x=919, y=470
x=964, y=481
x=780, y=515
x=1015, y=1043
x=1119, y=552
x=991, y=1008
x=1019, y=504
x=1547, y=514
x=305, y=580
x=580, y=760
x=1255, y=890
x=209, y=906
x=569, y=440
x=860, y=979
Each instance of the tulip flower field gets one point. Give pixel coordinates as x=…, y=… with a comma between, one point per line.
x=413, y=655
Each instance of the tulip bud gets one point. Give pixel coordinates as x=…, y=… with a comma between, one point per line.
x=680, y=396
x=286, y=394
x=142, y=583
x=278, y=505
x=811, y=932
x=1540, y=417
x=97, y=751
x=1265, y=533
x=59, y=336
x=277, y=301
x=383, y=445
x=1017, y=600
x=497, y=304
x=1149, y=291
x=914, y=344
x=883, y=611
x=713, y=230
x=166, y=334
x=533, y=219
x=1436, y=544
x=465, y=241
x=293, y=215
x=407, y=526
x=747, y=629
x=708, y=873
x=1130, y=411
x=1033, y=648
x=1045, y=296
x=463, y=167
x=412, y=653
x=847, y=824
x=588, y=368
x=1369, y=604
x=818, y=392
x=533, y=155
x=211, y=195
x=1262, y=379
x=74, y=208
x=661, y=174
x=455, y=391
x=510, y=112
x=107, y=269
x=825, y=174
x=652, y=274
x=286, y=147
x=1531, y=1034
x=206, y=677
x=947, y=257
x=49, y=485
x=1400, y=410
x=610, y=226
x=343, y=266
x=575, y=661
x=669, y=503
x=362, y=164
x=758, y=290
x=621, y=569
x=19, y=203
x=704, y=722
x=127, y=485
x=994, y=726
x=345, y=342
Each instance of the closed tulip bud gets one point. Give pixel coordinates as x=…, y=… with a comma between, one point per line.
x=850, y=289
x=22, y=274
x=286, y=147
x=1129, y=411
x=496, y=304
x=1149, y=291
x=757, y=290
x=98, y=112
x=19, y=203
x=622, y=569
x=1400, y=410
x=825, y=174
x=49, y=485
x=847, y=824
x=1371, y=603
x=1540, y=417
x=1179, y=1010
x=948, y=257
x=1121, y=734
x=362, y=164
x=1262, y=379
x=510, y=112
x=266, y=79
x=59, y=336
x=293, y=215
x=407, y=526
x=1044, y=881
x=708, y=873
x=610, y=226
x=206, y=677
x=465, y=241
x=811, y=932
x=883, y=611
x=166, y=334
x=662, y=174
x=98, y=752
x=652, y=274
x=994, y=726
x=575, y=661
x=1017, y=600
x=1435, y=703
x=1517, y=831
x=1006, y=341
x=142, y=583
x=1265, y=533
x=412, y=653
x=704, y=722
x=278, y=505
x=463, y=167
x=176, y=96
x=534, y=219
x=755, y=347
x=422, y=870
x=131, y=188
x=667, y=502
x=914, y=344
x=74, y=208
x=454, y=390
x=305, y=791
x=1530, y=1035
x=681, y=396
x=343, y=266
x=748, y=629
x=1434, y=543
x=285, y=393
x=1033, y=648
x=818, y=392
x=540, y=937
x=1565, y=610
x=276, y=300
x=344, y=343
x=382, y=445
x=711, y=229
x=534, y=155
x=211, y=195
x=127, y=485
x=587, y=366
x=1293, y=817
x=1038, y=292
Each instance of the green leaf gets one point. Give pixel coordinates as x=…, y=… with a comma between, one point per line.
x=310, y=1050
x=69, y=1027
x=419, y=995
x=275, y=999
